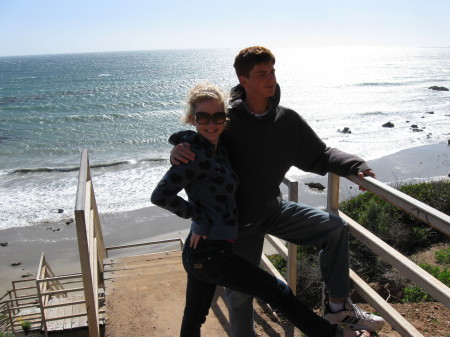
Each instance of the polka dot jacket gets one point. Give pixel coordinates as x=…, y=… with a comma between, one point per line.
x=210, y=185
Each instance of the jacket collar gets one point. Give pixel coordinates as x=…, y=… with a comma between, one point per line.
x=238, y=95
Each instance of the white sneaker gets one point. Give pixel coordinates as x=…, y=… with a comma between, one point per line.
x=355, y=318
x=347, y=332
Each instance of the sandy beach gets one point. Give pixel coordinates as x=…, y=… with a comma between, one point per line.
x=58, y=240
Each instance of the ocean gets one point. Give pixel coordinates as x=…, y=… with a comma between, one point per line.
x=123, y=106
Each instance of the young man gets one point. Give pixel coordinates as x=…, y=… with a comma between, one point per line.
x=263, y=141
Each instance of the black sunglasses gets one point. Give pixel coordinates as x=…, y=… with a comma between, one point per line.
x=203, y=118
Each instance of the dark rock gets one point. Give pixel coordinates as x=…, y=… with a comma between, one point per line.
x=414, y=126
x=388, y=125
x=434, y=87
x=345, y=130
x=27, y=275
x=3, y=244
x=15, y=264
x=69, y=222
x=318, y=186
x=60, y=210
x=430, y=112
x=417, y=130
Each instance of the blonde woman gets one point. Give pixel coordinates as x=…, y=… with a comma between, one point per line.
x=210, y=183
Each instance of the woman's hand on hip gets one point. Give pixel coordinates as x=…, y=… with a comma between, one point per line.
x=195, y=239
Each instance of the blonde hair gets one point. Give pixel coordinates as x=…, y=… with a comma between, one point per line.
x=200, y=93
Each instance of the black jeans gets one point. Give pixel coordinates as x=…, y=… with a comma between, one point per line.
x=213, y=263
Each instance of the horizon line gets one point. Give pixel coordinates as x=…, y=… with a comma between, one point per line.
x=217, y=48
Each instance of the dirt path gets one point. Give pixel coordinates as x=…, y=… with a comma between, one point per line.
x=145, y=298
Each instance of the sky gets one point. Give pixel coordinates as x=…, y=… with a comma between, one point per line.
x=32, y=27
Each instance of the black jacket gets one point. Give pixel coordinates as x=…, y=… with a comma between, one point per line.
x=262, y=149
x=210, y=184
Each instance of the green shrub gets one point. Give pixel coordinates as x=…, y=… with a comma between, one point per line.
x=397, y=228
x=443, y=256
x=309, y=280
x=415, y=294
x=6, y=334
x=400, y=230
x=279, y=262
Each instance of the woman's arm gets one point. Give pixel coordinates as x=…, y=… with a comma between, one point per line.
x=166, y=196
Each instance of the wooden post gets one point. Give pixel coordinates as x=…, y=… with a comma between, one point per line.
x=292, y=248
x=333, y=194
x=9, y=313
x=15, y=311
x=42, y=302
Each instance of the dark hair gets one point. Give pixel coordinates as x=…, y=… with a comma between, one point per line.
x=251, y=56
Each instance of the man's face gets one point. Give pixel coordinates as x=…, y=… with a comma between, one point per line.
x=209, y=129
x=261, y=81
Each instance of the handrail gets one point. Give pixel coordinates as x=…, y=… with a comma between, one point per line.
x=135, y=245
x=90, y=243
x=405, y=267
x=416, y=208
x=62, y=277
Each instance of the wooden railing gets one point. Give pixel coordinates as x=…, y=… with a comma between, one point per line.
x=90, y=244
x=42, y=301
x=20, y=304
x=405, y=267
x=51, y=287
x=149, y=243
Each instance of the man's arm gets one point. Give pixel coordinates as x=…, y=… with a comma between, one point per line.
x=320, y=159
x=344, y=164
x=181, y=153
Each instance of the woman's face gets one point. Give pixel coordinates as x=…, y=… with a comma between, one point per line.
x=208, y=126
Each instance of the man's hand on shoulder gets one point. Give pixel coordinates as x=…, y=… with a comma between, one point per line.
x=365, y=173
x=181, y=153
